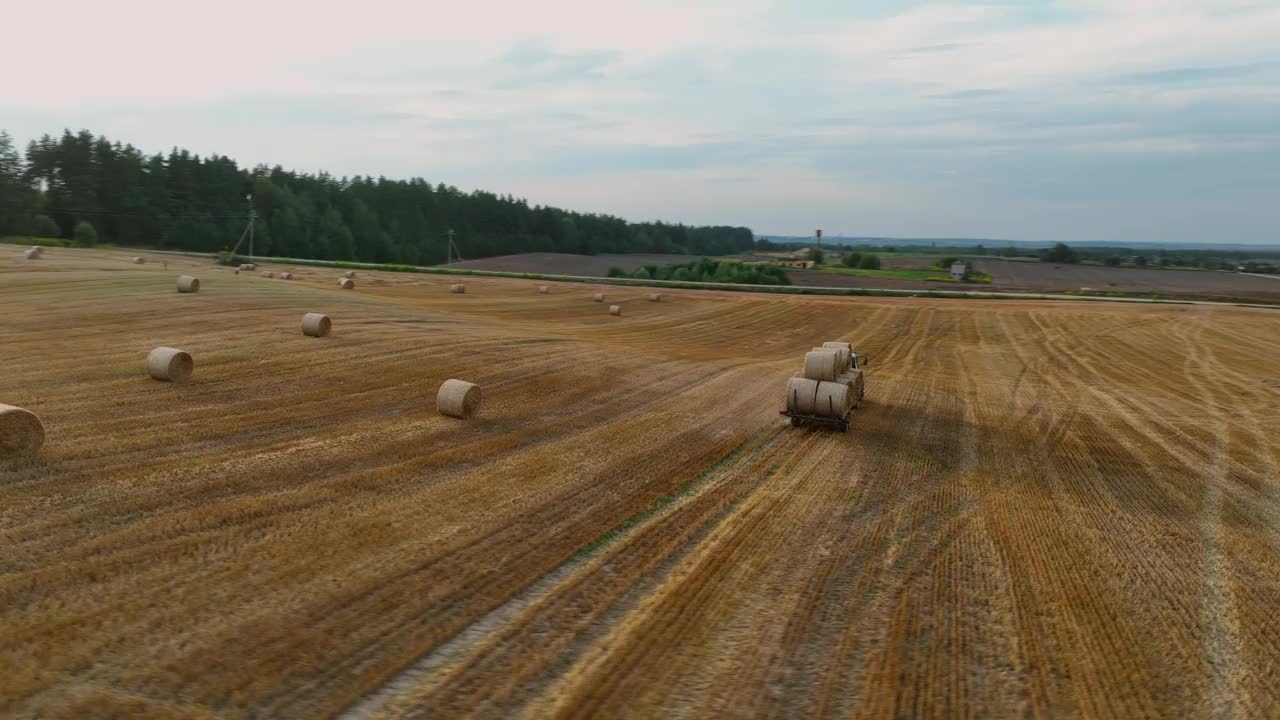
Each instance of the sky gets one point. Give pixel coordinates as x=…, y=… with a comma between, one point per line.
x=1043, y=120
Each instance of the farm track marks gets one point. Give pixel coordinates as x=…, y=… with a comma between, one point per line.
x=1043, y=508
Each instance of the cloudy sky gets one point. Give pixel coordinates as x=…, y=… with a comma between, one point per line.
x=1036, y=120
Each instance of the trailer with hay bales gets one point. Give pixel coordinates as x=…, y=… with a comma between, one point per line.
x=827, y=388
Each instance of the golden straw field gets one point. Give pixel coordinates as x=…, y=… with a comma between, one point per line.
x=1043, y=508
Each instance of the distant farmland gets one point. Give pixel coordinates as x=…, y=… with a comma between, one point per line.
x=568, y=264
x=1013, y=276
x=1043, y=509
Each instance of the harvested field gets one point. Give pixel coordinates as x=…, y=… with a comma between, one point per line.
x=817, y=278
x=1043, y=508
x=1048, y=277
x=569, y=264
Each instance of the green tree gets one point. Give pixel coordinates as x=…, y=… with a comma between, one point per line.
x=85, y=235
x=616, y=272
x=1112, y=260
x=870, y=262
x=1140, y=261
x=43, y=226
x=852, y=259
x=980, y=249
x=641, y=273
x=1060, y=253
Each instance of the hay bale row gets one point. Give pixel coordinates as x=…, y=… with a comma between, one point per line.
x=188, y=284
x=458, y=398
x=171, y=364
x=21, y=432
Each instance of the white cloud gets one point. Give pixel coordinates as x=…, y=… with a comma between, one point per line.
x=637, y=107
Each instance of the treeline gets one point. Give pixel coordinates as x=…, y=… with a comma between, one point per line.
x=707, y=270
x=183, y=201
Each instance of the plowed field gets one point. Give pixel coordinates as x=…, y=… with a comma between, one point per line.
x=1043, y=508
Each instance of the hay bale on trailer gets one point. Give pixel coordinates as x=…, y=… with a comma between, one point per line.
x=615, y=310
x=171, y=364
x=801, y=395
x=458, y=398
x=845, y=349
x=822, y=365
x=188, y=284
x=21, y=432
x=347, y=284
x=316, y=325
x=832, y=400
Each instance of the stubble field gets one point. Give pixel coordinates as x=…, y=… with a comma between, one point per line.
x=1043, y=508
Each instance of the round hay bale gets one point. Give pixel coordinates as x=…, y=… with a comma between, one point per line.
x=38, y=248
x=268, y=274
x=21, y=432
x=351, y=274
x=832, y=399
x=286, y=276
x=598, y=297
x=458, y=288
x=139, y=260
x=347, y=284
x=32, y=254
x=248, y=267
x=801, y=393
x=188, y=284
x=458, y=398
x=615, y=310
x=846, y=351
x=655, y=297
x=821, y=365
x=544, y=290
x=172, y=364
x=316, y=325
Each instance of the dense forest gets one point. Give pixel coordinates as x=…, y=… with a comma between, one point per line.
x=182, y=201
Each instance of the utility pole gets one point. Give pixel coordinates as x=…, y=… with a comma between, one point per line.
x=253, y=216
x=451, y=250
